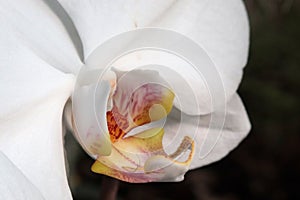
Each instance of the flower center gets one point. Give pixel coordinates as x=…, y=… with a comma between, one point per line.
x=150, y=102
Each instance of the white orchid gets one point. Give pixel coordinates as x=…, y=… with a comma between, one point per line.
x=40, y=61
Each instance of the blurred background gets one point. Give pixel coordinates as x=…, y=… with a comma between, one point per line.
x=266, y=165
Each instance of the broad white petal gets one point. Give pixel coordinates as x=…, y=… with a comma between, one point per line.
x=13, y=183
x=220, y=27
x=99, y=20
x=235, y=129
x=36, y=25
x=32, y=101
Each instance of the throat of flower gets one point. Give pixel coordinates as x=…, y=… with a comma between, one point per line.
x=150, y=102
x=117, y=124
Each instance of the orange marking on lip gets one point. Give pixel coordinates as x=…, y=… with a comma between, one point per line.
x=117, y=124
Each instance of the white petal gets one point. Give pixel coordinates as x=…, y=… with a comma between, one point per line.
x=235, y=129
x=99, y=20
x=31, y=106
x=38, y=27
x=13, y=184
x=89, y=109
x=220, y=27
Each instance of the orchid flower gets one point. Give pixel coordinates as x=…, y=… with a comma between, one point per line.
x=40, y=61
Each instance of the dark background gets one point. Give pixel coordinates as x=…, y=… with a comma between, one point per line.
x=266, y=165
